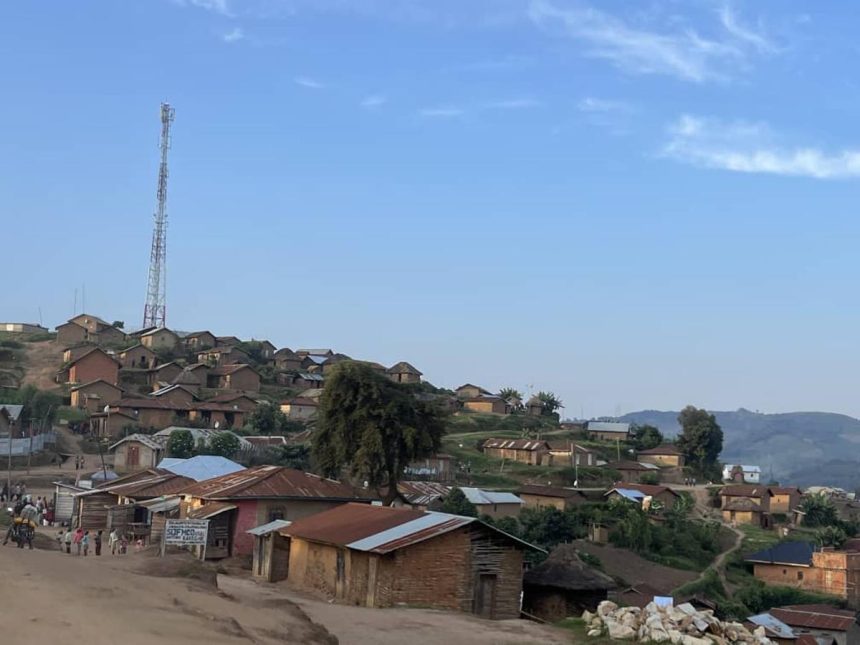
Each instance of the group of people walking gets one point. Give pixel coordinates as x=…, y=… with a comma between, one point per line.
x=82, y=540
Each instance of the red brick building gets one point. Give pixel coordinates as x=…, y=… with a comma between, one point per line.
x=379, y=556
x=240, y=501
x=93, y=365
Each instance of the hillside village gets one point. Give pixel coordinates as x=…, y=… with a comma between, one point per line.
x=518, y=515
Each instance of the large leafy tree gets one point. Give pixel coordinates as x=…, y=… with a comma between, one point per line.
x=268, y=419
x=701, y=438
x=181, y=444
x=225, y=444
x=646, y=436
x=372, y=426
x=819, y=511
x=551, y=403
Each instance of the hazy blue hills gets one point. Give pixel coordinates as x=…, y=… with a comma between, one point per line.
x=802, y=448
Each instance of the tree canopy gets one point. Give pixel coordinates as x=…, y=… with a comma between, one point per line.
x=268, y=419
x=456, y=503
x=551, y=403
x=701, y=438
x=646, y=436
x=181, y=444
x=373, y=426
x=224, y=444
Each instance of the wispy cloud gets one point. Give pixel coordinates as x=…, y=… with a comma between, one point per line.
x=373, y=101
x=753, y=148
x=309, y=83
x=755, y=38
x=441, y=112
x=513, y=104
x=680, y=52
x=591, y=104
x=233, y=36
x=217, y=6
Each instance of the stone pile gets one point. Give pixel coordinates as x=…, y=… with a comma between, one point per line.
x=684, y=625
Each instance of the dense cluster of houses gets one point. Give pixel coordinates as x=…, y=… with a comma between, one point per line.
x=154, y=378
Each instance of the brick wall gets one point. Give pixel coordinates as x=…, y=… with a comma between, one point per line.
x=538, y=501
x=243, y=543
x=94, y=366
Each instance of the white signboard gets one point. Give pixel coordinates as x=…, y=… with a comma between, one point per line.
x=186, y=532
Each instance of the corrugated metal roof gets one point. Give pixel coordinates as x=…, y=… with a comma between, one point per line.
x=210, y=510
x=201, y=467
x=796, y=553
x=773, y=625
x=478, y=496
x=422, y=493
x=269, y=527
x=516, y=444
x=627, y=493
x=272, y=482
x=417, y=530
x=146, y=440
x=549, y=491
x=608, y=426
x=14, y=411
x=831, y=620
x=161, y=504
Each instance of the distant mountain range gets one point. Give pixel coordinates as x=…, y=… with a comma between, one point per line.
x=800, y=448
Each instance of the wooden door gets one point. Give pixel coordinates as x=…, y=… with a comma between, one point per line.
x=132, y=456
x=485, y=595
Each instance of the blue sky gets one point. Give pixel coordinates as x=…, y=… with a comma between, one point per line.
x=631, y=204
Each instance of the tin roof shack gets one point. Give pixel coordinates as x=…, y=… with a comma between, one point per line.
x=742, y=510
x=526, y=451
x=439, y=467
x=640, y=493
x=422, y=495
x=568, y=453
x=271, y=561
x=632, y=471
x=258, y=495
x=535, y=496
x=608, y=431
x=494, y=504
x=64, y=502
x=379, y=556
x=137, y=452
x=805, y=566
x=563, y=585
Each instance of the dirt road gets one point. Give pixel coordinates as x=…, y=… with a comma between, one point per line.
x=51, y=596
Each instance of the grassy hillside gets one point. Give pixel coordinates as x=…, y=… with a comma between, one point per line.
x=802, y=448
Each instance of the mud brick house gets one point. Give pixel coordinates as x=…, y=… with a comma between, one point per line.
x=299, y=409
x=526, y=451
x=608, y=431
x=137, y=452
x=631, y=471
x=232, y=341
x=804, y=565
x=403, y=372
x=239, y=377
x=193, y=376
x=667, y=456
x=86, y=328
x=236, y=400
x=638, y=492
x=287, y=360
x=379, y=556
x=761, y=495
x=177, y=395
x=743, y=510
x=470, y=391
x=164, y=373
x=271, y=560
x=492, y=503
x=93, y=364
x=784, y=499
x=567, y=453
x=222, y=355
x=198, y=340
x=137, y=357
x=563, y=585
x=217, y=415
x=487, y=404
x=238, y=502
x=535, y=496
x=267, y=350
x=158, y=339
x=301, y=380
x=22, y=328
x=95, y=395
x=9, y=419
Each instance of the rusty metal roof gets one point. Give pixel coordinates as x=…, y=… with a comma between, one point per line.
x=210, y=510
x=422, y=493
x=833, y=619
x=273, y=482
x=380, y=529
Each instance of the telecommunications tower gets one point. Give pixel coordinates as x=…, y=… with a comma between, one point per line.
x=155, y=310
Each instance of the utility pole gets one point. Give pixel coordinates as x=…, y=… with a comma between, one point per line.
x=155, y=309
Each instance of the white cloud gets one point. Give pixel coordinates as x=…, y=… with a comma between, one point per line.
x=373, y=101
x=513, y=104
x=218, y=6
x=681, y=52
x=591, y=104
x=233, y=36
x=733, y=26
x=309, y=83
x=753, y=148
x=441, y=112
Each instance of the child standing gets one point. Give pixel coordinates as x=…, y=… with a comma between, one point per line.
x=85, y=542
x=98, y=543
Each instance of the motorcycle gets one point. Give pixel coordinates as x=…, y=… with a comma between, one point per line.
x=21, y=531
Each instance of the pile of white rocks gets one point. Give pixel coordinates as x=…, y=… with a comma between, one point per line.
x=683, y=624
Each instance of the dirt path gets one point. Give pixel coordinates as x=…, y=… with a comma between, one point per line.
x=50, y=596
x=396, y=626
x=43, y=359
